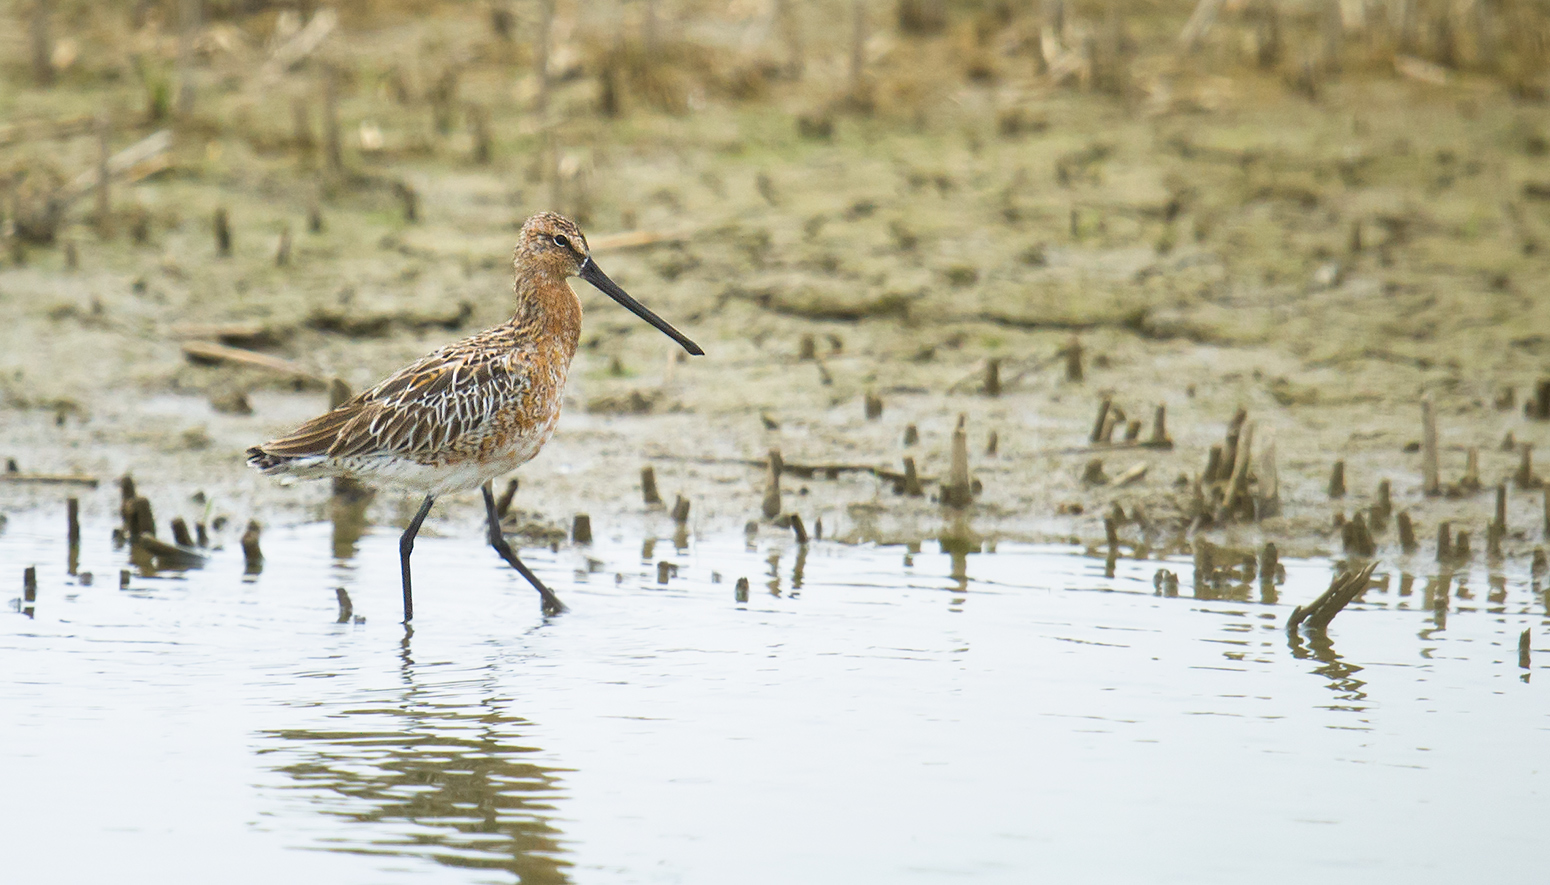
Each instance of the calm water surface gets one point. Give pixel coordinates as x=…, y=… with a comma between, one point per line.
x=867, y=715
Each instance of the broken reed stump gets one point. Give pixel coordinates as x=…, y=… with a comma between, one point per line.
x=1269, y=563
x=1444, y=542
x=1383, y=508
x=874, y=406
x=346, y=607
x=797, y=529
x=282, y=252
x=1407, y=541
x=1093, y=475
x=648, y=487
x=222, y=225
x=992, y=444
x=1430, y=484
x=333, y=150
x=808, y=348
x=123, y=579
x=73, y=521
x=1103, y=420
x=581, y=529
x=1345, y=587
x=503, y=506
x=141, y=521
x=1525, y=478
x=956, y=492
x=1237, y=501
x=1523, y=650
x=1461, y=551
x=1337, y=480
x=911, y=435
x=1159, y=438
x=1073, y=354
x=993, y=377
x=911, y=484
x=30, y=584
x=252, y=556
x=479, y=131
x=1471, y=481
x=409, y=198
x=771, y=504
x=1356, y=539
x=664, y=571
x=680, y=509
x=740, y=591
x=1537, y=408
x=180, y=534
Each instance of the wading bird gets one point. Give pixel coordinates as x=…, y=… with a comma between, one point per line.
x=473, y=410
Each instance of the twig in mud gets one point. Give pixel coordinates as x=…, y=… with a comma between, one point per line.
x=144, y=158
x=1132, y=474
x=1199, y=24
x=301, y=44
x=49, y=478
x=170, y=556
x=208, y=352
x=1345, y=587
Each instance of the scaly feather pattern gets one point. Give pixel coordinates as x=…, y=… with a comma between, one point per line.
x=468, y=412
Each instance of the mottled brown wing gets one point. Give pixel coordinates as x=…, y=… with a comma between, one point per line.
x=417, y=412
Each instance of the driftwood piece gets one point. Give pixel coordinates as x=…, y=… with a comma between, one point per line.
x=143, y=158
x=49, y=478
x=301, y=44
x=1317, y=614
x=207, y=352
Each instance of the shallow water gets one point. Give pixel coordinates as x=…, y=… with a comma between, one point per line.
x=864, y=716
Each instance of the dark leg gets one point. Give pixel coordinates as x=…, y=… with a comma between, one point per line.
x=406, y=547
x=552, y=604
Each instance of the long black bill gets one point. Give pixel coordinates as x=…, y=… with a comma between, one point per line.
x=594, y=275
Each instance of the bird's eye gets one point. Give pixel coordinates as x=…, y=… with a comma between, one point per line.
x=562, y=242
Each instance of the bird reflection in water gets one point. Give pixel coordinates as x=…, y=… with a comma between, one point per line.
x=439, y=774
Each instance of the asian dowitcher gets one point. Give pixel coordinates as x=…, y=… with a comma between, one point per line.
x=473, y=410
